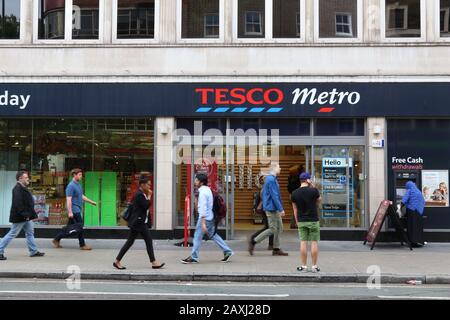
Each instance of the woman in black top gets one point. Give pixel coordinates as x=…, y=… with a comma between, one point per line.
x=139, y=223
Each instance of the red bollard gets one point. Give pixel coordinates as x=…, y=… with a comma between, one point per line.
x=187, y=211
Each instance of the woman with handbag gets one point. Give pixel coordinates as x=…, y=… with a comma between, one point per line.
x=139, y=222
x=414, y=202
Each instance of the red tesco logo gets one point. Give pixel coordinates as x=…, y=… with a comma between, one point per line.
x=240, y=96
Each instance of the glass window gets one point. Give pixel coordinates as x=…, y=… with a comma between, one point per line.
x=136, y=19
x=286, y=18
x=200, y=19
x=51, y=19
x=403, y=18
x=203, y=124
x=9, y=19
x=251, y=18
x=445, y=18
x=286, y=127
x=339, y=127
x=15, y=154
x=85, y=19
x=338, y=18
x=340, y=177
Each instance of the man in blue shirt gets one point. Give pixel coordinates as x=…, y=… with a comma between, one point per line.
x=274, y=210
x=74, y=200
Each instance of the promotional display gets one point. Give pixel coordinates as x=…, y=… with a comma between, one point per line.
x=435, y=188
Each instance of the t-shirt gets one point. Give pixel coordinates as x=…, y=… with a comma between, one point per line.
x=75, y=191
x=306, y=200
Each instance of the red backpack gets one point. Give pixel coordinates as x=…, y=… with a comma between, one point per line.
x=219, y=210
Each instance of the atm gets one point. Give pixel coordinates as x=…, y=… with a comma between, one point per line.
x=401, y=178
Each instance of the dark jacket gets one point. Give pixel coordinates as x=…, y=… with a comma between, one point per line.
x=22, y=208
x=293, y=183
x=139, y=211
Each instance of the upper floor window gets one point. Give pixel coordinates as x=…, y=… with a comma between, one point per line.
x=85, y=22
x=286, y=18
x=51, y=24
x=251, y=16
x=136, y=19
x=339, y=18
x=444, y=18
x=403, y=18
x=200, y=19
x=9, y=19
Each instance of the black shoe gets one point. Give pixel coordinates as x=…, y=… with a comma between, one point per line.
x=189, y=260
x=2, y=257
x=117, y=267
x=159, y=266
x=38, y=254
x=227, y=257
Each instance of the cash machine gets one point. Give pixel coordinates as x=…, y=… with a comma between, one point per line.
x=401, y=178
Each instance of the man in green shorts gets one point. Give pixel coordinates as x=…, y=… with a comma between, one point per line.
x=304, y=203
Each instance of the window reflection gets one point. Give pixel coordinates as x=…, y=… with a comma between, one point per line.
x=444, y=16
x=338, y=18
x=286, y=18
x=200, y=19
x=251, y=18
x=51, y=19
x=9, y=19
x=85, y=19
x=403, y=18
x=136, y=19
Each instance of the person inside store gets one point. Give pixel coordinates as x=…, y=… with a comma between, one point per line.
x=294, y=184
x=414, y=202
x=140, y=223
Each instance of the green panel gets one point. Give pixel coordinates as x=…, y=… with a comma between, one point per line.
x=92, y=191
x=109, y=199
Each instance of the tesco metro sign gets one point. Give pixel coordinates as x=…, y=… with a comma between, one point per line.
x=231, y=99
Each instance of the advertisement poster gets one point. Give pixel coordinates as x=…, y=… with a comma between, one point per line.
x=435, y=188
x=337, y=190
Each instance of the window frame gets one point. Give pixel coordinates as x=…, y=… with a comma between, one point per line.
x=350, y=24
x=205, y=25
x=268, y=25
x=21, y=26
x=347, y=39
x=116, y=40
x=68, y=25
x=423, y=26
x=437, y=15
x=179, y=25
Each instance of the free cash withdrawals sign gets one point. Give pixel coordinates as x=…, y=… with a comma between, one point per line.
x=337, y=187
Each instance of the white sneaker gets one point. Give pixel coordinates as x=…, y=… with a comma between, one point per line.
x=302, y=269
x=315, y=269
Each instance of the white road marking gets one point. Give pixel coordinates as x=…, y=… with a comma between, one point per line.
x=414, y=298
x=150, y=294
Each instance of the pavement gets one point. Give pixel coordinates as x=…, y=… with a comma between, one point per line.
x=340, y=262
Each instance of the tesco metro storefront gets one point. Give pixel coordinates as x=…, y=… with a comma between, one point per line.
x=361, y=142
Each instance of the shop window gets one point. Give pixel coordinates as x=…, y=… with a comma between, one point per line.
x=444, y=19
x=338, y=18
x=85, y=22
x=403, y=18
x=136, y=19
x=203, y=124
x=286, y=127
x=286, y=18
x=251, y=18
x=51, y=19
x=9, y=19
x=344, y=25
x=200, y=19
x=339, y=127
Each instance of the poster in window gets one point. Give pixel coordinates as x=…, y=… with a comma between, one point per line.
x=435, y=188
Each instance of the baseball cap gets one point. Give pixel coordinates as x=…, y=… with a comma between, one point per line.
x=305, y=176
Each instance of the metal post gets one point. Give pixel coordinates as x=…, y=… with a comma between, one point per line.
x=3, y=20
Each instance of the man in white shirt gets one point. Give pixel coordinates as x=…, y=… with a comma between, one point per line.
x=205, y=223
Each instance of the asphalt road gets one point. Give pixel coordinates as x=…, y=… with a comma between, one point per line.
x=100, y=290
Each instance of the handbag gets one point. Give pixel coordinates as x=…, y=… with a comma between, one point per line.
x=126, y=214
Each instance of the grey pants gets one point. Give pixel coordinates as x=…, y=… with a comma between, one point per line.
x=275, y=229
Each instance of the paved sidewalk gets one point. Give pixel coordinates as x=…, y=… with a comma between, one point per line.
x=339, y=262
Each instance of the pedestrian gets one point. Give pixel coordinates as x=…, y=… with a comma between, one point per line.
x=21, y=215
x=274, y=210
x=74, y=202
x=140, y=223
x=259, y=210
x=206, y=224
x=415, y=204
x=304, y=203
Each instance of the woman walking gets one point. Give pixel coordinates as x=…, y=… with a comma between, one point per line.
x=139, y=223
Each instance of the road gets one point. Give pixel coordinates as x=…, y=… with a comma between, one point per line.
x=100, y=290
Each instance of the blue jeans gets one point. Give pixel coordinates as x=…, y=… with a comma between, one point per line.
x=28, y=227
x=198, y=238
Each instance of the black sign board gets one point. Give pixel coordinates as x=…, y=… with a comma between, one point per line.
x=386, y=209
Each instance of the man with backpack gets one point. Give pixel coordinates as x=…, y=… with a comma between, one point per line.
x=207, y=221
